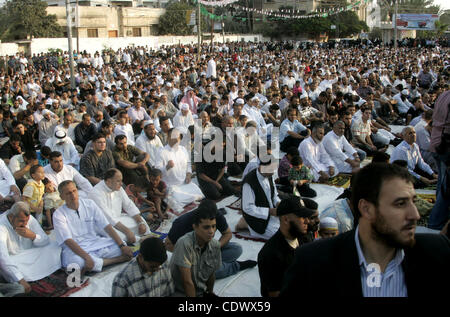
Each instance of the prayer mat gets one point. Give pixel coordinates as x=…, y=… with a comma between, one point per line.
x=341, y=180
x=431, y=187
x=246, y=236
x=54, y=285
x=135, y=247
x=424, y=205
x=236, y=205
x=186, y=209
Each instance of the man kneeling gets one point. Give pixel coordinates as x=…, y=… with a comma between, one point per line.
x=77, y=224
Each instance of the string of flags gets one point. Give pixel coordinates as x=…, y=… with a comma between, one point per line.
x=281, y=14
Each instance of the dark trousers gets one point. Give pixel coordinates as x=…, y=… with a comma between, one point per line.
x=212, y=192
x=305, y=190
x=131, y=175
x=236, y=168
x=417, y=182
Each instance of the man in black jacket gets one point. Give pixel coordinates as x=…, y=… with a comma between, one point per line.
x=277, y=254
x=383, y=256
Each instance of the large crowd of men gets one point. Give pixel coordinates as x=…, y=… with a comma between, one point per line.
x=100, y=164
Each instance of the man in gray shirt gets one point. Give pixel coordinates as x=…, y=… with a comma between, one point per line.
x=196, y=257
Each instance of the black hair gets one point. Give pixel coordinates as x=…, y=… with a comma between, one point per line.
x=380, y=157
x=293, y=151
x=206, y=210
x=34, y=168
x=119, y=137
x=55, y=154
x=368, y=182
x=296, y=160
x=46, y=151
x=30, y=155
x=110, y=173
x=98, y=136
x=154, y=172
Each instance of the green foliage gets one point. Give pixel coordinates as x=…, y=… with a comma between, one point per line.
x=347, y=21
x=23, y=19
x=174, y=21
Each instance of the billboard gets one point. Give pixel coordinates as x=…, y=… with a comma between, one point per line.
x=423, y=22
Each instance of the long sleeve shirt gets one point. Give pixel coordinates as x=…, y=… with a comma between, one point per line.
x=314, y=155
x=287, y=125
x=6, y=179
x=338, y=147
x=12, y=244
x=181, y=158
x=152, y=147
x=67, y=149
x=410, y=154
x=136, y=114
x=112, y=202
x=68, y=173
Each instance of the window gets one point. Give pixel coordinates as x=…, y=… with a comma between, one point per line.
x=92, y=32
x=137, y=32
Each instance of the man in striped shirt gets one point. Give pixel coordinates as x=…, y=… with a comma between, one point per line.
x=148, y=275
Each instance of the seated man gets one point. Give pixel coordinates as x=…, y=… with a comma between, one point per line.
x=230, y=251
x=197, y=257
x=278, y=252
x=84, y=131
x=123, y=127
x=315, y=157
x=292, y=132
x=95, y=163
x=340, y=151
x=20, y=165
x=77, y=225
x=13, y=147
x=26, y=253
x=63, y=144
x=175, y=164
x=46, y=126
x=130, y=160
x=148, y=275
x=149, y=142
x=211, y=175
x=361, y=131
x=57, y=172
x=112, y=199
x=260, y=200
x=8, y=188
x=409, y=151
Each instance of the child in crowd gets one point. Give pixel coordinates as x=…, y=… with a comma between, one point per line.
x=285, y=165
x=52, y=201
x=44, y=155
x=300, y=176
x=157, y=192
x=34, y=191
x=328, y=228
x=145, y=206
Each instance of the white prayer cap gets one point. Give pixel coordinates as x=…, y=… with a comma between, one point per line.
x=45, y=111
x=49, y=101
x=328, y=223
x=184, y=106
x=60, y=134
x=146, y=123
x=239, y=101
x=303, y=96
x=405, y=92
x=169, y=84
x=255, y=98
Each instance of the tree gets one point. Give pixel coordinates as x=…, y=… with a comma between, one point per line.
x=174, y=21
x=22, y=19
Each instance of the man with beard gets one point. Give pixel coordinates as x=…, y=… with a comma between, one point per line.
x=313, y=221
x=277, y=254
x=149, y=142
x=381, y=257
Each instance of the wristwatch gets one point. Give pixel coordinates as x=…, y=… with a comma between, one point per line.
x=122, y=245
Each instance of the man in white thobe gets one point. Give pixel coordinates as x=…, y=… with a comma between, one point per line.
x=78, y=227
x=57, y=172
x=63, y=144
x=175, y=164
x=341, y=152
x=8, y=187
x=26, y=253
x=211, y=70
x=149, y=142
x=183, y=119
x=315, y=157
x=112, y=199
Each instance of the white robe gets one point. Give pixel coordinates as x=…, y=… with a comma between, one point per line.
x=112, y=203
x=69, y=173
x=6, y=179
x=339, y=150
x=152, y=147
x=85, y=230
x=175, y=177
x=316, y=158
x=67, y=149
x=21, y=258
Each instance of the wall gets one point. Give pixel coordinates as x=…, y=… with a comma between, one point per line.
x=91, y=45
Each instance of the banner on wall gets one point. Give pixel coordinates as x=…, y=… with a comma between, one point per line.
x=424, y=22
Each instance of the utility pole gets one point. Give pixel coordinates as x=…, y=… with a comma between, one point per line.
x=77, y=21
x=395, y=24
x=198, y=31
x=69, y=38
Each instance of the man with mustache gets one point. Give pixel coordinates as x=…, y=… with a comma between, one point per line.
x=278, y=253
x=381, y=257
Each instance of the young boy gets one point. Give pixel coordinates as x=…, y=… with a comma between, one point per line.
x=34, y=191
x=300, y=176
x=44, y=155
x=328, y=228
x=157, y=191
x=52, y=201
x=145, y=206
